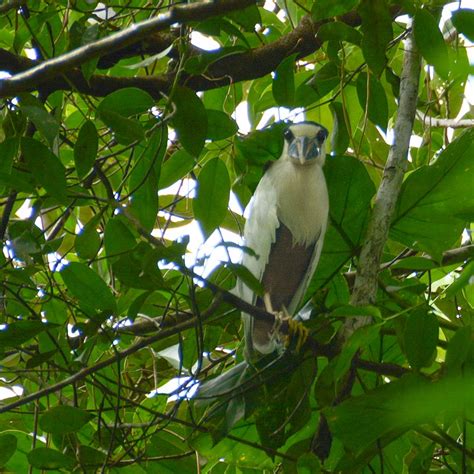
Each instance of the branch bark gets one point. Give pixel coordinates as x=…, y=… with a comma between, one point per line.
x=365, y=286
x=248, y=65
x=32, y=78
x=447, y=123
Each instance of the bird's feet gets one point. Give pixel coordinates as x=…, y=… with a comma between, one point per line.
x=297, y=333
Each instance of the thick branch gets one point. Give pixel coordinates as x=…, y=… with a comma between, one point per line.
x=230, y=69
x=365, y=286
x=57, y=66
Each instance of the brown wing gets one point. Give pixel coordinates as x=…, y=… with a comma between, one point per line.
x=287, y=265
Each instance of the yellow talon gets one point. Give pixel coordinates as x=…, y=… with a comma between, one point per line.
x=298, y=332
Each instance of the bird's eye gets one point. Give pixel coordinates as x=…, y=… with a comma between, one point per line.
x=322, y=135
x=288, y=134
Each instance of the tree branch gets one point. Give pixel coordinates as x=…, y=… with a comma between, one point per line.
x=36, y=76
x=248, y=65
x=365, y=286
x=446, y=123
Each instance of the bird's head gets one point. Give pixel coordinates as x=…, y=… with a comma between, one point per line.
x=305, y=143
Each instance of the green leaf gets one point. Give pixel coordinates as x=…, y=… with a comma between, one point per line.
x=18, y=332
x=247, y=278
x=139, y=268
x=220, y=125
x=117, y=237
x=350, y=311
x=340, y=134
x=46, y=168
x=90, y=457
x=85, y=149
x=88, y=241
x=283, y=85
x=46, y=124
x=247, y=17
x=338, y=31
x=189, y=120
x=420, y=338
x=8, y=443
x=179, y=164
x=463, y=21
x=459, y=347
x=430, y=42
x=466, y=278
x=375, y=102
x=213, y=189
x=377, y=33
x=126, y=130
x=308, y=463
x=324, y=81
x=436, y=201
x=392, y=409
x=327, y=8
x=90, y=290
x=47, y=458
x=126, y=102
x=64, y=419
x=350, y=193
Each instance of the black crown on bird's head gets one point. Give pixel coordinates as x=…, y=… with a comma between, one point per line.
x=304, y=143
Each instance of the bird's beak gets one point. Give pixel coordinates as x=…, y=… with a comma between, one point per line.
x=303, y=149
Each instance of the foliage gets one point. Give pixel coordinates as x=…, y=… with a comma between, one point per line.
x=100, y=305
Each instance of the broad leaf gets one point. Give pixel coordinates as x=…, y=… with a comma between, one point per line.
x=327, y=9
x=85, y=150
x=283, y=86
x=47, y=458
x=47, y=170
x=8, y=443
x=436, y=200
x=373, y=99
x=377, y=32
x=127, y=102
x=18, y=332
x=219, y=125
x=90, y=290
x=64, y=419
x=463, y=21
x=189, y=120
x=175, y=167
x=430, y=41
x=210, y=204
x=420, y=338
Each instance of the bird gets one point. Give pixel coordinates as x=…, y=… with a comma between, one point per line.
x=285, y=228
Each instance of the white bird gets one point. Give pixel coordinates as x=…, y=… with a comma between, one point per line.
x=285, y=228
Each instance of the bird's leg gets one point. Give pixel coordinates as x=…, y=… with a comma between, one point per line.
x=296, y=330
